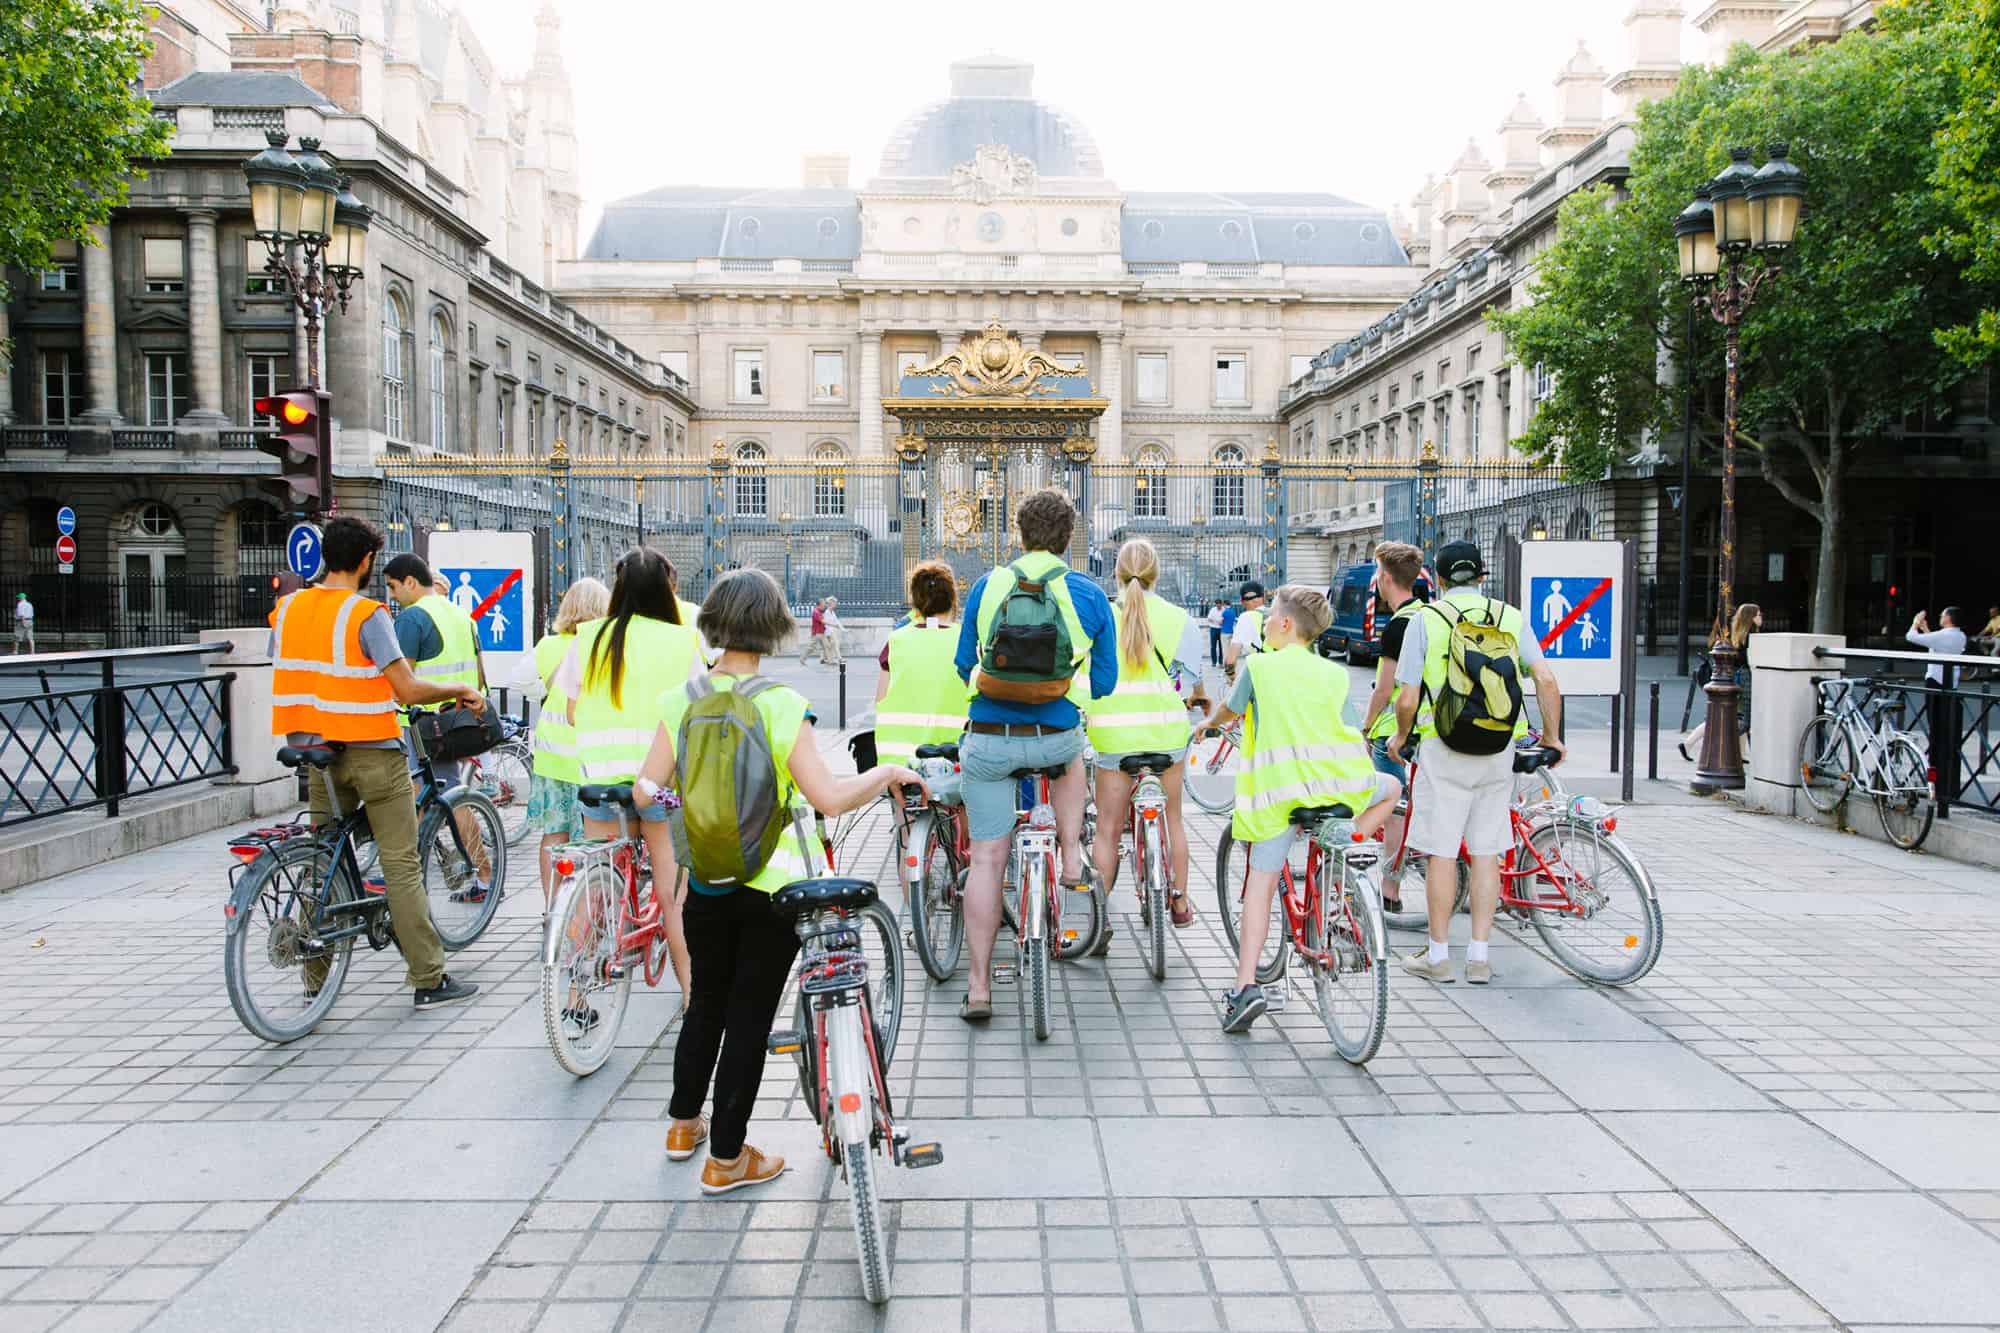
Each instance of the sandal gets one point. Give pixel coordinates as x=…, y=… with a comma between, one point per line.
x=975, y=1013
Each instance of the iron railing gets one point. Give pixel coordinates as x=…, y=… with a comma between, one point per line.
x=76, y=611
x=74, y=735
x=1958, y=720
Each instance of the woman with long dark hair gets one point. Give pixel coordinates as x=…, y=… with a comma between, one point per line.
x=614, y=678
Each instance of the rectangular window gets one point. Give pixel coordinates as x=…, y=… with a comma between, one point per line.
x=1152, y=374
x=257, y=280
x=166, y=264
x=1395, y=392
x=677, y=362
x=1232, y=377
x=1539, y=385
x=534, y=369
x=1416, y=386
x=1302, y=364
x=748, y=384
x=166, y=387
x=267, y=372
x=1471, y=359
x=502, y=409
x=62, y=387
x=907, y=363
x=1473, y=404
x=534, y=423
x=1443, y=415
x=503, y=354
x=830, y=376
x=63, y=273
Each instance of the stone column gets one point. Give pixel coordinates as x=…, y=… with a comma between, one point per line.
x=871, y=395
x=100, y=330
x=1111, y=387
x=6, y=376
x=204, y=322
x=1782, y=668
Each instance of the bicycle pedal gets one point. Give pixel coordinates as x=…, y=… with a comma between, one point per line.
x=1005, y=974
x=922, y=1154
x=1275, y=998
x=787, y=1042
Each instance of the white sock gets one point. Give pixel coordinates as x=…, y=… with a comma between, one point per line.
x=1475, y=951
x=1440, y=951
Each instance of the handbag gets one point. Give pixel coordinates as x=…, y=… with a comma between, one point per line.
x=453, y=732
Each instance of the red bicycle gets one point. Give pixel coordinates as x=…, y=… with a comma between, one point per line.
x=1567, y=875
x=1033, y=870
x=603, y=925
x=1331, y=921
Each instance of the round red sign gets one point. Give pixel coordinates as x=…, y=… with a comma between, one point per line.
x=66, y=550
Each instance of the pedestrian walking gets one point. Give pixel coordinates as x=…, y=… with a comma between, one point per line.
x=1749, y=618
x=24, y=623
x=1212, y=618
x=815, y=643
x=830, y=654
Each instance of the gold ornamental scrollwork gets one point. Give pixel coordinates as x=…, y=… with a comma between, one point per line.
x=993, y=363
x=717, y=450
x=958, y=521
x=911, y=448
x=1080, y=448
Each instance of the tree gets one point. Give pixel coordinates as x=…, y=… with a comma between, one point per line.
x=1843, y=346
x=1968, y=165
x=72, y=120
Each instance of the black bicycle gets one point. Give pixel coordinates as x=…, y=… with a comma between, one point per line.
x=298, y=898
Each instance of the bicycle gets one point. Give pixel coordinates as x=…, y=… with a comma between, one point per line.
x=1566, y=874
x=1212, y=764
x=503, y=775
x=933, y=848
x=297, y=903
x=1328, y=917
x=843, y=1049
x=1849, y=747
x=1033, y=870
x=442, y=847
x=1146, y=825
x=601, y=927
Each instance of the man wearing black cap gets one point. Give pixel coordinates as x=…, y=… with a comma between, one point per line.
x=1248, y=636
x=1460, y=798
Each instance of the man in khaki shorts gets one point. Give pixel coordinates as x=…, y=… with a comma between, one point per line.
x=1461, y=798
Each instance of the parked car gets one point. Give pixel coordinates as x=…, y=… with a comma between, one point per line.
x=1359, y=612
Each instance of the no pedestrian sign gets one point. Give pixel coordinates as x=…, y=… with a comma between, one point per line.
x=492, y=597
x=1574, y=595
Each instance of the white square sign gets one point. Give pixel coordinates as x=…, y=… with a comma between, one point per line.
x=1573, y=596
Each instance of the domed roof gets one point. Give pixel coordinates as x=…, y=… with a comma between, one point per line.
x=992, y=102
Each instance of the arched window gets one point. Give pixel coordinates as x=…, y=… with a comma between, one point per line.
x=1578, y=529
x=1227, y=497
x=441, y=432
x=1149, y=482
x=395, y=367
x=753, y=494
x=829, y=480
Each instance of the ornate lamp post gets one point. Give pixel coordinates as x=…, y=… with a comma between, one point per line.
x=785, y=527
x=1742, y=210
x=315, y=232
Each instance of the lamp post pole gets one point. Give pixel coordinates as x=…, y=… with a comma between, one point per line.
x=785, y=527
x=1686, y=505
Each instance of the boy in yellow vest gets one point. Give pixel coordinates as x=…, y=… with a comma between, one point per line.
x=1299, y=752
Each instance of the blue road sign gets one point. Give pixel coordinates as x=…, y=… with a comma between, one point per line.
x=492, y=597
x=66, y=521
x=302, y=551
x=1571, y=617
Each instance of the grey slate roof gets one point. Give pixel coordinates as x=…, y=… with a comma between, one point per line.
x=239, y=88
x=943, y=134
x=701, y=222
x=1300, y=228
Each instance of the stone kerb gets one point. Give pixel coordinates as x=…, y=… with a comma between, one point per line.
x=1782, y=670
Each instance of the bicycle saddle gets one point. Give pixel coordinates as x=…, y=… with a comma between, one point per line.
x=619, y=793
x=1052, y=772
x=1136, y=764
x=1310, y=816
x=812, y=895
x=319, y=756
x=1533, y=761
x=939, y=752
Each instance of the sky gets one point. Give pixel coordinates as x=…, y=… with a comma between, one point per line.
x=1357, y=99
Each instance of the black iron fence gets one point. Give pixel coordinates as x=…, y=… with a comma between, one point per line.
x=74, y=612
x=1957, y=721
x=87, y=730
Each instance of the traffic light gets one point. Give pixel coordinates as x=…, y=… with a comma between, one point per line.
x=302, y=442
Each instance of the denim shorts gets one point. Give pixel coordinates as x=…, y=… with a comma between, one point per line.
x=1378, y=750
x=986, y=762
x=649, y=812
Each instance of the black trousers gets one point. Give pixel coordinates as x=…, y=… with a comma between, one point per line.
x=1214, y=646
x=741, y=953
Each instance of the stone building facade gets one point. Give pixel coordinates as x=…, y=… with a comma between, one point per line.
x=136, y=358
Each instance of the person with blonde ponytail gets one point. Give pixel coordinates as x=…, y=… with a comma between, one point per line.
x=1144, y=713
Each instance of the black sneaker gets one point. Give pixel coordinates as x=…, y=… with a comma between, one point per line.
x=1241, y=1008
x=1103, y=946
x=447, y=991
x=476, y=894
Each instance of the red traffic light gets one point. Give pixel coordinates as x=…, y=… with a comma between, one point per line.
x=303, y=445
x=295, y=414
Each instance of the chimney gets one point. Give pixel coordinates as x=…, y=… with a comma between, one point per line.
x=1522, y=158
x=329, y=63
x=1727, y=22
x=823, y=171
x=1579, y=107
x=1654, y=66
x=1467, y=208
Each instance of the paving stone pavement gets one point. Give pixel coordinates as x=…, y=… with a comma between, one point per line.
x=1792, y=1123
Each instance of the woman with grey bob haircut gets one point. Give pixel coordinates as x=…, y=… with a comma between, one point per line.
x=745, y=613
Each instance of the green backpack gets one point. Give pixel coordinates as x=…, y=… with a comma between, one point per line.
x=728, y=777
x=1028, y=657
x=1481, y=702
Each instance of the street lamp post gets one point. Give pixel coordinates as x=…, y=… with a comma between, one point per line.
x=314, y=230
x=785, y=527
x=1745, y=209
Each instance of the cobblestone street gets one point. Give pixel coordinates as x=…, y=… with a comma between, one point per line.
x=1791, y=1123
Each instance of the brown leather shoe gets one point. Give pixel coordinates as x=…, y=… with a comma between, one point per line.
x=750, y=1168
x=682, y=1140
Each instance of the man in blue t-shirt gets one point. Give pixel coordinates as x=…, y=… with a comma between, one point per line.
x=1002, y=737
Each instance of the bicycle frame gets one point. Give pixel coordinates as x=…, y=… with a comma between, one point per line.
x=640, y=925
x=338, y=838
x=1031, y=841
x=835, y=978
x=1148, y=806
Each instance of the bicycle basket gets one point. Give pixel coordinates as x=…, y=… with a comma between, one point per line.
x=451, y=733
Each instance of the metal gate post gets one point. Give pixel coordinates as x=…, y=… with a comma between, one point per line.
x=1082, y=541
x=715, y=515
x=911, y=479
x=1429, y=468
x=559, y=520
x=1274, y=517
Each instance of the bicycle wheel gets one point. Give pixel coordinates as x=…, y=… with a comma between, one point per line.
x=937, y=927
x=1603, y=922
x=883, y=948
x=455, y=837
x=1038, y=950
x=1353, y=988
x=585, y=984
x=1212, y=762
x=1416, y=910
x=1906, y=805
x=509, y=772
x=807, y=1058
x=1826, y=763
x=266, y=962
x=1151, y=873
x=866, y=1206
x=1079, y=927
x=1232, y=866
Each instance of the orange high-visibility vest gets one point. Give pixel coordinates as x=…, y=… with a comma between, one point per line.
x=322, y=682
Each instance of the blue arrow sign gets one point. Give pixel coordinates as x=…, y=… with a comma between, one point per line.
x=66, y=521
x=302, y=551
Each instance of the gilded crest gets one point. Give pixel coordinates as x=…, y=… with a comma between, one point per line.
x=995, y=171
x=993, y=364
